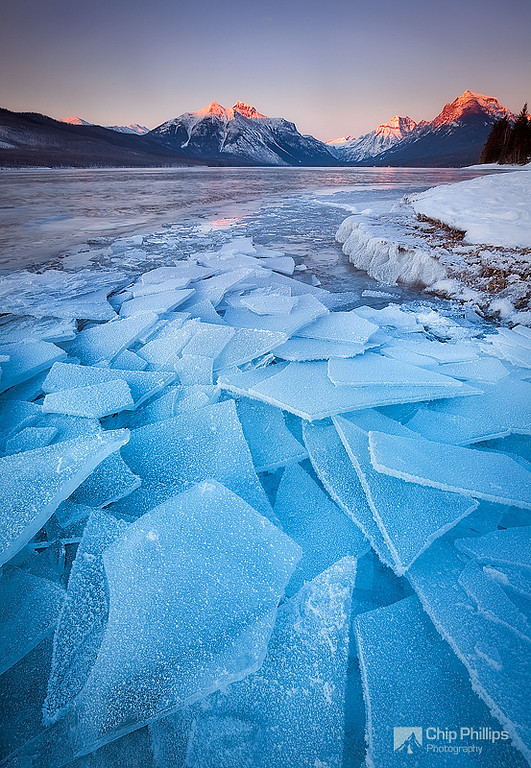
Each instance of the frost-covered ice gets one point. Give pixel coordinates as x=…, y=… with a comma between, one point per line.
x=177, y=471
x=480, y=474
x=221, y=628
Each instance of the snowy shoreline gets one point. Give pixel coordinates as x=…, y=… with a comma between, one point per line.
x=469, y=241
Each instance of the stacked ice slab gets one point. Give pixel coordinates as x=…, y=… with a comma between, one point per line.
x=246, y=522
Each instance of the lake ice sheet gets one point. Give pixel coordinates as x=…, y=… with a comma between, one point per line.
x=215, y=495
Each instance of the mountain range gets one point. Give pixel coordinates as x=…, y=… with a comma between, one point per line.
x=242, y=136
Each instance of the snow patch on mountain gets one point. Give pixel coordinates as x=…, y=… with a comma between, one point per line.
x=374, y=143
x=75, y=120
x=139, y=130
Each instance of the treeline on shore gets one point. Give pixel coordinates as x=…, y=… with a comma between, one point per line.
x=509, y=142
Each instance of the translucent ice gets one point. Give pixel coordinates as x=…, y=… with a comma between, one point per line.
x=290, y=712
x=26, y=359
x=213, y=289
x=398, y=643
x=298, y=349
x=336, y=472
x=492, y=601
x=182, y=269
x=141, y=288
x=129, y=361
x=160, y=303
x=15, y=415
x=271, y=443
x=480, y=474
x=306, y=311
x=495, y=657
x=409, y=516
x=209, y=340
x=340, y=326
x=511, y=546
x=84, y=616
x=33, y=484
x=487, y=369
x=246, y=345
x=93, y=402
x=29, y=609
x=431, y=350
x=110, y=481
x=322, y=530
x=194, y=369
x=306, y=390
x=370, y=369
x=211, y=538
x=105, y=342
x=30, y=438
x=142, y=384
x=269, y=302
x=171, y=455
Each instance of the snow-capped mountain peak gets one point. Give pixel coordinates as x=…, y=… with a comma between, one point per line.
x=248, y=111
x=373, y=143
x=243, y=135
x=74, y=120
x=140, y=130
x=468, y=104
x=396, y=127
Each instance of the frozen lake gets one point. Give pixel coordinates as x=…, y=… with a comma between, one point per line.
x=45, y=212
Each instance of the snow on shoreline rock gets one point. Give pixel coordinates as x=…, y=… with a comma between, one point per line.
x=468, y=241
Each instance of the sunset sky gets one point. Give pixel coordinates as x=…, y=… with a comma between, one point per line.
x=334, y=68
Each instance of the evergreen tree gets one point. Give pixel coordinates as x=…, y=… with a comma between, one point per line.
x=519, y=147
x=497, y=142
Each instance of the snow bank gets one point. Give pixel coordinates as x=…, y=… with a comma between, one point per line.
x=491, y=210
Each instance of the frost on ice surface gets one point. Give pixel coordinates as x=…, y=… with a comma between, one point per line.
x=480, y=474
x=495, y=656
x=271, y=443
x=26, y=359
x=110, y=481
x=159, y=303
x=324, y=533
x=30, y=438
x=106, y=341
x=93, y=402
x=83, y=618
x=511, y=547
x=340, y=326
x=33, y=484
x=373, y=369
x=299, y=349
x=29, y=609
x=307, y=310
x=291, y=711
x=401, y=640
x=194, y=369
x=220, y=629
x=409, y=516
x=172, y=455
x=247, y=344
x=306, y=390
x=336, y=472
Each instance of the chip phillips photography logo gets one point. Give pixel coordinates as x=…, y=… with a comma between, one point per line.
x=412, y=740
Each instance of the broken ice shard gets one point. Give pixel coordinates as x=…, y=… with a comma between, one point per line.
x=29, y=609
x=306, y=390
x=271, y=443
x=398, y=643
x=340, y=326
x=93, y=402
x=336, y=472
x=511, y=546
x=370, y=369
x=480, y=474
x=82, y=622
x=110, y=481
x=211, y=538
x=172, y=455
x=26, y=359
x=409, y=516
x=34, y=483
x=321, y=529
x=106, y=341
x=290, y=712
x=160, y=303
x=246, y=345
